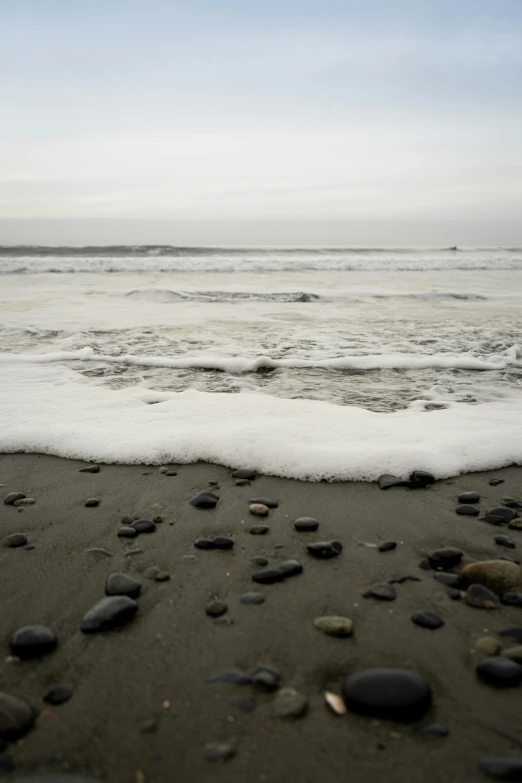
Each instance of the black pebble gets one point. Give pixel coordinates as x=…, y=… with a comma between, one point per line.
x=58, y=694
x=382, y=591
x=468, y=511
x=12, y=497
x=496, y=482
x=121, y=584
x=452, y=580
x=291, y=568
x=469, y=497
x=268, y=577
x=127, y=532
x=512, y=599
x=223, y=542
x=259, y=560
x=144, y=526
x=15, y=540
x=387, y=480
x=252, y=598
x=90, y=469
x=92, y=503
x=232, y=676
x=242, y=483
x=499, y=768
x=325, y=550
x=265, y=502
x=512, y=633
x=110, y=612
x=31, y=641
x=453, y=593
x=427, y=620
x=445, y=558
x=394, y=694
x=493, y=519
x=506, y=541
x=502, y=511
x=204, y=500
x=499, y=671
x=306, y=524
x=244, y=474
x=422, y=478
x=425, y=564
x=204, y=543
x=387, y=546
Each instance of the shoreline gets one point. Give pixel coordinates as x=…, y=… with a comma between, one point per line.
x=140, y=708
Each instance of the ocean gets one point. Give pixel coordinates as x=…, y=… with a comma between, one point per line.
x=313, y=363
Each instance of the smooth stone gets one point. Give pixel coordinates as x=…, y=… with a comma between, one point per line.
x=244, y=474
x=306, y=524
x=268, y=577
x=445, y=558
x=325, y=550
x=266, y=678
x=387, y=480
x=387, y=546
x=334, y=625
x=495, y=482
x=268, y=502
x=218, y=751
x=502, y=511
x=171, y=473
x=127, y=532
x=493, y=519
x=213, y=483
x=506, y=541
x=259, y=530
x=433, y=730
x=512, y=599
x=382, y=591
x=204, y=543
x=401, y=579
x=488, y=645
x=291, y=568
x=502, y=768
x=121, y=584
x=468, y=511
x=481, y=598
x=126, y=520
x=31, y=641
x=162, y=576
x=252, y=597
x=12, y=497
x=499, y=671
x=425, y=564
x=452, y=580
x=158, y=520
x=16, y=717
x=469, y=497
x=151, y=572
x=512, y=633
x=15, y=540
x=163, y=469
x=515, y=524
x=98, y=550
x=132, y=552
x=90, y=469
x=395, y=694
x=427, y=620
x=92, y=503
x=242, y=483
x=421, y=478
x=204, y=500
x=109, y=613
x=515, y=653
x=259, y=560
x=144, y=526
x=244, y=703
x=58, y=694
x=258, y=509
x=232, y=676
x=216, y=608
x=223, y=542
x=290, y=704
x=508, y=503
x=500, y=576
x=453, y=593
x=24, y=502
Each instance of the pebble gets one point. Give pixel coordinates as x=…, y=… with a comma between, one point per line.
x=334, y=625
x=252, y=597
x=268, y=577
x=12, y=497
x=151, y=572
x=218, y=751
x=163, y=469
x=259, y=560
x=15, y=540
x=499, y=671
x=335, y=703
x=501, y=511
x=58, y=694
x=421, y=478
x=506, y=541
x=171, y=473
x=468, y=511
x=126, y=520
x=127, y=532
x=325, y=550
x=387, y=546
x=501, y=768
x=266, y=678
x=158, y=520
x=509, y=502
x=221, y=542
x=109, y=613
x=427, y=620
x=144, y=526
x=387, y=480
x=290, y=704
x=244, y=703
x=242, y=483
x=515, y=653
x=259, y=530
x=488, y=645
x=433, y=730
x=216, y=608
x=90, y=469
x=401, y=579
x=452, y=580
x=121, y=584
x=469, y=497
x=481, y=598
x=512, y=599
x=98, y=550
x=92, y=503
x=453, y=593
x=16, y=717
x=512, y=633
x=395, y=694
x=306, y=524
x=258, y=509
x=500, y=576
x=213, y=483
x=204, y=500
x=132, y=552
x=515, y=524
x=268, y=502
x=31, y=641
x=445, y=558
x=492, y=519
x=162, y=576
x=291, y=568
x=24, y=502
x=382, y=591
x=425, y=564
x=244, y=474
x=495, y=482
x=231, y=676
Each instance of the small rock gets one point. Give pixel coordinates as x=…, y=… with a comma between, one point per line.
x=244, y=703
x=98, y=550
x=24, y=502
x=171, y=473
x=488, y=645
x=387, y=480
x=291, y=568
x=501, y=768
x=204, y=543
x=469, y=497
x=218, y=751
x=387, y=546
x=427, y=620
x=127, y=532
x=481, y=598
x=499, y=671
x=452, y=580
x=509, y=502
x=394, y=694
x=108, y=613
x=500, y=511
x=425, y=564
x=467, y=511
x=433, y=730
x=242, y=483
x=259, y=530
x=31, y=641
x=512, y=633
x=335, y=703
x=266, y=678
x=92, y=503
x=223, y=542
x=259, y=560
x=445, y=558
x=515, y=524
x=231, y=676
x=290, y=704
x=334, y=625
x=325, y=550
x=512, y=599
x=126, y=520
x=382, y=591
x=268, y=577
x=306, y=524
x=144, y=526
x=121, y=584
x=244, y=474
x=204, y=500
x=163, y=469
x=421, y=478
x=506, y=541
x=216, y=608
x=492, y=519
x=500, y=576
x=514, y=653
x=213, y=483
x=495, y=482
x=16, y=717
x=90, y=469
x=252, y=598
x=58, y=694
x=158, y=520
x=151, y=572
x=15, y=540
x=132, y=552
x=162, y=576
x=258, y=509
x=268, y=502
x=12, y=497
x=453, y=593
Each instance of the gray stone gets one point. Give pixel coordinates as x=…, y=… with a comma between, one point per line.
x=16, y=717
x=452, y=580
x=268, y=502
x=290, y=704
x=259, y=530
x=467, y=511
x=31, y=641
x=12, y=497
x=481, y=598
x=151, y=572
x=508, y=513
x=506, y=541
x=268, y=577
x=204, y=500
x=58, y=694
x=387, y=546
x=92, y=503
x=421, y=478
x=218, y=751
x=144, y=526
x=108, y=613
x=306, y=524
x=499, y=671
x=127, y=532
x=382, y=591
x=393, y=694
x=259, y=560
x=333, y=625
x=291, y=568
x=325, y=550
x=502, y=768
x=266, y=678
x=15, y=540
x=24, y=502
x=387, y=480
x=512, y=599
x=469, y=497
x=121, y=584
x=252, y=597
x=428, y=620
x=445, y=558
x=244, y=474
x=90, y=469
x=216, y=608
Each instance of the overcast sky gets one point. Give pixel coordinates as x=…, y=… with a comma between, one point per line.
x=276, y=121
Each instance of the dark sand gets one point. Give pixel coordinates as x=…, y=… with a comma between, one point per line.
x=122, y=679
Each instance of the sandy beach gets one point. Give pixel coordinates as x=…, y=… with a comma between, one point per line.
x=140, y=708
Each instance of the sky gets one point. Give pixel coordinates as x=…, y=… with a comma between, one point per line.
x=275, y=122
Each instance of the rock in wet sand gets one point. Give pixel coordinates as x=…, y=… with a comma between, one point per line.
x=144, y=526
x=268, y=502
x=58, y=694
x=218, y=751
x=31, y=641
x=469, y=497
x=445, y=558
x=121, y=584
x=12, y=497
x=16, y=717
x=244, y=474
x=251, y=597
x=393, y=694
x=258, y=530
x=506, y=541
x=499, y=671
x=306, y=524
x=92, y=503
x=502, y=767
x=90, y=469
x=15, y=540
x=500, y=576
x=467, y=511
x=387, y=546
x=334, y=625
x=488, y=645
x=290, y=704
x=108, y=613
x=216, y=608
x=325, y=550
x=269, y=576
x=258, y=509
x=481, y=598
x=427, y=620
x=382, y=591
x=127, y=532
x=204, y=500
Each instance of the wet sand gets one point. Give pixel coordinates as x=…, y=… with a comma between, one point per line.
x=150, y=674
